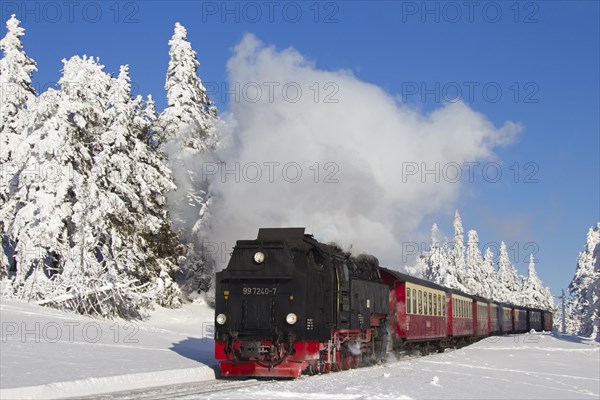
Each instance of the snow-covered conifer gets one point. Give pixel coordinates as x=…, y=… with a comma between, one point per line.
x=186, y=132
x=584, y=316
x=534, y=294
x=190, y=116
x=16, y=91
x=490, y=279
x=475, y=277
x=455, y=276
x=94, y=237
x=509, y=282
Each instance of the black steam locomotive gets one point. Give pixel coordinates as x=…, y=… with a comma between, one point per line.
x=287, y=304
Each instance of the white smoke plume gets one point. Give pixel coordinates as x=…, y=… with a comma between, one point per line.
x=359, y=135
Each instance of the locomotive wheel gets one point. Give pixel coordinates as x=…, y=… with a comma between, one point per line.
x=356, y=361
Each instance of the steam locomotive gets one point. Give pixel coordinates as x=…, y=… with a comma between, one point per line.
x=287, y=304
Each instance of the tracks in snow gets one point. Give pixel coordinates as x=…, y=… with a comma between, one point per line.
x=180, y=390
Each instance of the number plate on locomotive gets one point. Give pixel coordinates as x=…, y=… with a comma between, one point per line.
x=264, y=291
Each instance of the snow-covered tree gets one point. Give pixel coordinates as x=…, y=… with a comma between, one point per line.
x=93, y=236
x=475, y=277
x=490, y=279
x=584, y=308
x=449, y=261
x=509, y=282
x=190, y=116
x=186, y=132
x=421, y=266
x=533, y=293
x=16, y=91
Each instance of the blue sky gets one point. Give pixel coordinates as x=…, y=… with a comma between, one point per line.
x=542, y=56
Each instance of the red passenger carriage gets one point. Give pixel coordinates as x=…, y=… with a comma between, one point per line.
x=460, y=312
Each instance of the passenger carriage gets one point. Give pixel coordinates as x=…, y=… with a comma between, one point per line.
x=506, y=315
x=481, y=316
x=494, y=319
x=519, y=320
x=460, y=312
x=419, y=309
x=547, y=321
x=534, y=319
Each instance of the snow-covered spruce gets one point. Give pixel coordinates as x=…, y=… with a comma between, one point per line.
x=583, y=313
x=16, y=92
x=187, y=132
x=509, y=281
x=534, y=293
x=94, y=237
x=446, y=265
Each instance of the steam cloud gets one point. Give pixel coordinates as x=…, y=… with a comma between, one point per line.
x=366, y=135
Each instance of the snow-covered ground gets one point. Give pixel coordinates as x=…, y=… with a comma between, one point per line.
x=46, y=353
x=538, y=366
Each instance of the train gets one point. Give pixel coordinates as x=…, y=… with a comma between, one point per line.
x=287, y=305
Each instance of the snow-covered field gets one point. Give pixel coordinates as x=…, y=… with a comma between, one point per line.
x=46, y=353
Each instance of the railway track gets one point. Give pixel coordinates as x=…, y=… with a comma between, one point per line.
x=180, y=390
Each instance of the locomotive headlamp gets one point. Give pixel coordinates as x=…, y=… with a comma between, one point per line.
x=291, y=318
x=259, y=257
x=221, y=319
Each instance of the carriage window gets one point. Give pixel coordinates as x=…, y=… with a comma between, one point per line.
x=424, y=303
x=414, y=295
x=441, y=305
x=420, y=302
x=444, y=309
x=430, y=305
x=453, y=307
x=435, y=305
x=408, y=301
